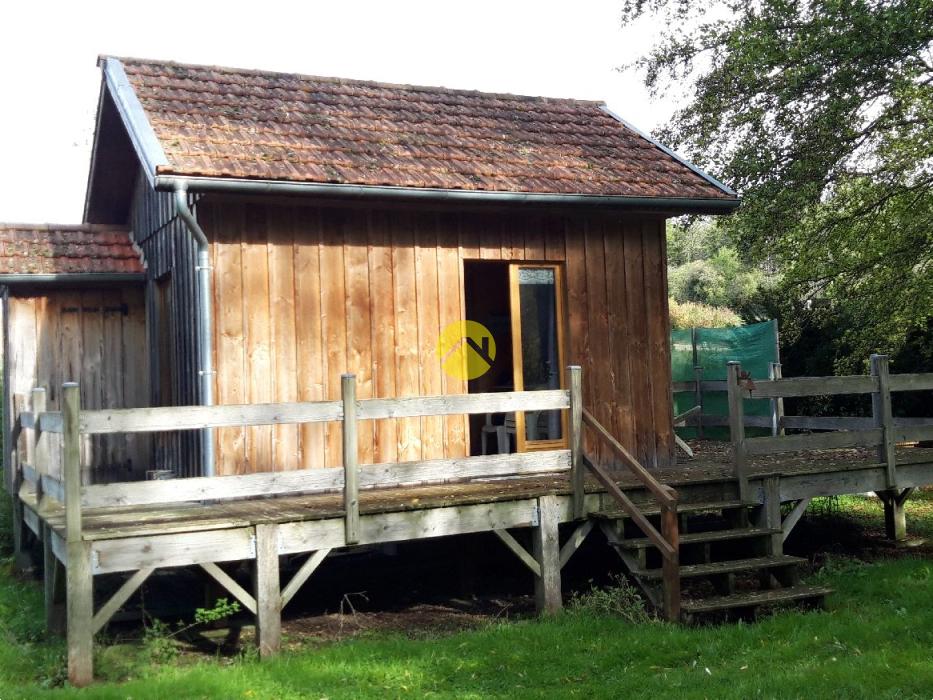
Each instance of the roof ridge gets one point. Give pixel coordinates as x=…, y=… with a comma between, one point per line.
x=130, y=60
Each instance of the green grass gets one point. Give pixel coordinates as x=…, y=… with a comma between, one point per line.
x=875, y=641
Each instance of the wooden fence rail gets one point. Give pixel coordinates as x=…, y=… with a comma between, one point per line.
x=881, y=430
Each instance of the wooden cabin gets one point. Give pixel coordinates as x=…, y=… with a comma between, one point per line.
x=73, y=309
x=344, y=225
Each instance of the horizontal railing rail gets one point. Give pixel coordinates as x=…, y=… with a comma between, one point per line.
x=146, y=420
x=881, y=430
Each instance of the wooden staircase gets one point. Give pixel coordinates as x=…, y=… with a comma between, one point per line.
x=731, y=563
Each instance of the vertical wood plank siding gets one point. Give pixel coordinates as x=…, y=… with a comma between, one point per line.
x=368, y=292
x=95, y=337
x=168, y=249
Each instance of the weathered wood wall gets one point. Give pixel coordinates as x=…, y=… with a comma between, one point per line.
x=96, y=337
x=303, y=294
x=170, y=255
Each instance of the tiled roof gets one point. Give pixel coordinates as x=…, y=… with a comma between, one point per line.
x=221, y=122
x=46, y=249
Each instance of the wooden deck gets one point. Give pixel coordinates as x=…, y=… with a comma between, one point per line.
x=138, y=527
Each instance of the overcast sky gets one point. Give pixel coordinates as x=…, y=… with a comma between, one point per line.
x=50, y=81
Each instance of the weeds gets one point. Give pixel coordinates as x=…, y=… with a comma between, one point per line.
x=161, y=641
x=619, y=599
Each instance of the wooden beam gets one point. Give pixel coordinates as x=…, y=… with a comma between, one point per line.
x=814, y=441
x=577, y=471
x=129, y=587
x=518, y=550
x=683, y=445
x=322, y=479
x=777, y=403
x=792, y=518
x=547, y=553
x=670, y=564
x=452, y=404
x=80, y=579
x=53, y=575
x=234, y=588
x=737, y=428
x=573, y=544
x=911, y=382
x=884, y=419
x=351, y=476
x=812, y=386
x=301, y=576
x=268, y=597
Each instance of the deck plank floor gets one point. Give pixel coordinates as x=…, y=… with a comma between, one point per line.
x=133, y=521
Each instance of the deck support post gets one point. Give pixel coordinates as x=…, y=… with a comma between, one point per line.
x=737, y=427
x=351, y=475
x=53, y=577
x=546, y=548
x=577, y=472
x=895, y=515
x=267, y=593
x=884, y=418
x=770, y=515
x=79, y=577
x=698, y=395
x=670, y=565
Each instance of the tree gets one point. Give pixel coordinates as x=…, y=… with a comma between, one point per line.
x=820, y=114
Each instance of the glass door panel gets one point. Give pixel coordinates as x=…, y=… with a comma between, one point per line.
x=537, y=339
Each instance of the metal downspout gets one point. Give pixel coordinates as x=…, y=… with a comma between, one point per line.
x=205, y=358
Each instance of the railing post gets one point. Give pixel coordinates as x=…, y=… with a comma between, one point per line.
x=40, y=443
x=79, y=579
x=351, y=477
x=777, y=404
x=670, y=565
x=884, y=418
x=737, y=427
x=577, y=473
x=16, y=481
x=698, y=397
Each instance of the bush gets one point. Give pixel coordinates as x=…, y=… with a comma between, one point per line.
x=690, y=314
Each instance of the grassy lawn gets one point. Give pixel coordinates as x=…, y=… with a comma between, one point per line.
x=876, y=640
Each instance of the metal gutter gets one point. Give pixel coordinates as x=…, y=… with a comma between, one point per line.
x=205, y=357
x=147, y=146
x=83, y=278
x=278, y=187
x=680, y=159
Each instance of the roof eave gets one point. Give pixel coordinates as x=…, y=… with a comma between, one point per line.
x=673, y=205
x=71, y=278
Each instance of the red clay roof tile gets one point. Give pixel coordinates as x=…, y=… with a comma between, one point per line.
x=47, y=249
x=222, y=122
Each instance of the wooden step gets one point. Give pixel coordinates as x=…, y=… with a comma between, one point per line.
x=655, y=509
x=726, y=567
x=754, y=598
x=699, y=537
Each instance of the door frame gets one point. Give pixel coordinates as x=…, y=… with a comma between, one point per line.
x=521, y=443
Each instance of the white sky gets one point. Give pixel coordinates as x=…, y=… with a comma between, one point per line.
x=50, y=81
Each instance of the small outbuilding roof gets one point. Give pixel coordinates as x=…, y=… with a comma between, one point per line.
x=49, y=249
x=211, y=122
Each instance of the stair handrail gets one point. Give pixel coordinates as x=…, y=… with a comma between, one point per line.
x=668, y=539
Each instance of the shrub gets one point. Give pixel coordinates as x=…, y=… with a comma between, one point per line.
x=691, y=314
x=619, y=599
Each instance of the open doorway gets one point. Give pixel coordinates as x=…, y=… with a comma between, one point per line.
x=521, y=304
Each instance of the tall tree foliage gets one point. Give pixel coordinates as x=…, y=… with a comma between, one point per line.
x=820, y=113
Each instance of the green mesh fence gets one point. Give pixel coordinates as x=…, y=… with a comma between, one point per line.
x=754, y=346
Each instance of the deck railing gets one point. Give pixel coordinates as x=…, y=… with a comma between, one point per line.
x=668, y=539
x=881, y=430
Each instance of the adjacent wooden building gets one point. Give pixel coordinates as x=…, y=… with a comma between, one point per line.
x=341, y=227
